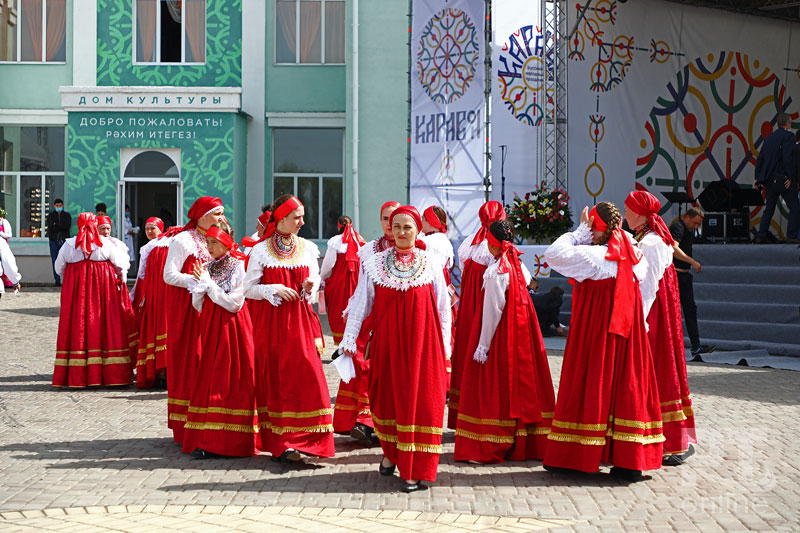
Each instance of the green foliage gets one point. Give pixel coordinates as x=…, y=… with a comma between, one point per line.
x=542, y=215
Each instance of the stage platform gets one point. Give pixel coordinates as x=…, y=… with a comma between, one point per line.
x=748, y=297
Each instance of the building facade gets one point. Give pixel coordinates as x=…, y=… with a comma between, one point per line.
x=153, y=103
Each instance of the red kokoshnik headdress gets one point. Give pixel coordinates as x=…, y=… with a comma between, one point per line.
x=226, y=240
x=645, y=204
x=626, y=255
x=87, y=233
x=489, y=212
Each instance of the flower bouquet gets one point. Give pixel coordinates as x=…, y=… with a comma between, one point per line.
x=542, y=215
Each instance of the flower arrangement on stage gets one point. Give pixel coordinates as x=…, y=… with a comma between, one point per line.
x=542, y=215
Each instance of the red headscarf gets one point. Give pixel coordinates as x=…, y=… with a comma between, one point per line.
x=103, y=220
x=645, y=204
x=157, y=222
x=433, y=219
x=411, y=211
x=353, y=241
x=626, y=255
x=279, y=214
x=390, y=203
x=488, y=213
x=87, y=233
x=201, y=207
x=263, y=218
x=520, y=405
x=226, y=240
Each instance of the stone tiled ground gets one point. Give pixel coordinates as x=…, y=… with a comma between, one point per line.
x=100, y=456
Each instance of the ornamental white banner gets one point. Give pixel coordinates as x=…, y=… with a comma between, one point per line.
x=518, y=99
x=448, y=112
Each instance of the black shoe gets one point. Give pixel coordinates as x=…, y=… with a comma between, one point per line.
x=626, y=474
x=363, y=433
x=674, y=459
x=792, y=240
x=414, y=487
x=703, y=348
x=201, y=454
x=289, y=456
x=560, y=470
x=58, y=283
x=386, y=470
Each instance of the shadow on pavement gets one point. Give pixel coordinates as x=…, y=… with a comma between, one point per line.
x=51, y=312
x=779, y=386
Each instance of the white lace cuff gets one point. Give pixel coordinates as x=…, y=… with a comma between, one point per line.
x=348, y=343
x=481, y=354
x=271, y=294
x=583, y=234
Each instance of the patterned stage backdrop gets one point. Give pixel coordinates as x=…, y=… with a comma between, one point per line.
x=664, y=97
x=448, y=110
x=518, y=100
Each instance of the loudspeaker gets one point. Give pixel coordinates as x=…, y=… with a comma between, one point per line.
x=738, y=226
x=714, y=226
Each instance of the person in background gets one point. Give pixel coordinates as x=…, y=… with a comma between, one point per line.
x=682, y=232
x=130, y=234
x=59, y=223
x=548, y=307
x=796, y=164
x=8, y=263
x=101, y=209
x=775, y=174
x=533, y=286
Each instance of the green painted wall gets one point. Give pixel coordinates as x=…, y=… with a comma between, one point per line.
x=301, y=88
x=223, y=66
x=241, y=226
x=35, y=86
x=207, y=157
x=383, y=108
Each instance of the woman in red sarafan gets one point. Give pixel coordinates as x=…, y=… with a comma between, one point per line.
x=294, y=404
x=662, y=307
x=405, y=291
x=608, y=408
x=508, y=401
x=149, y=303
x=221, y=417
x=186, y=247
x=474, y=257
x=339, y=272
x=92, y=345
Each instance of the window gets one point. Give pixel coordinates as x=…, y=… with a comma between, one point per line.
x=309, y=31
x=31, y=175
x=170, y=31
x=309, y=163
x=21, y=35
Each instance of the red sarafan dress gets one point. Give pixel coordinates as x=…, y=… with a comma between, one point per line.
x=662, y=304
x=183, y=324
x=608, y=408
x=407, y=297
x=131, y=322
x=292, y=396
x=439, y=246
x=151, y=291
x=221, y=417
x=92, y=347
x=508, y=401
x=474, y=259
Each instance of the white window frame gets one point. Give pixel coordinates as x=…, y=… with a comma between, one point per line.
x=320, y=180
x=297, y=33
x=44, y=60
x=157, y=51
x=17, y=179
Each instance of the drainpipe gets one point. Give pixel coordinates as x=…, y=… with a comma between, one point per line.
x=356, y=203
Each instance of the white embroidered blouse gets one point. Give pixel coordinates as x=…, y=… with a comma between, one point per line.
x=181, y=247
x=107, y=252
x=495, y=286
x=479, y=253
x=380, y=269
x=231, y=300
x=659, y=258
x=336, y=245
x=440, y=247
x=144, y=253
x=305, y=253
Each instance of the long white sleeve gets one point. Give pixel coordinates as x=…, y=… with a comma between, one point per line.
x=334, y=245
x=255, y=290
x=443, y=307
x=63, y=255
x=359, y=306
x=230, y=301
x=176, y=257
x=118, y=254
x=313, y=272
x=8, y=263
x=659, y=257
x=573, y=256
x=494, y=303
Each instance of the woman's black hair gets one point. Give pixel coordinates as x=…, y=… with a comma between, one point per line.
x=502, y=230
x=343, y=221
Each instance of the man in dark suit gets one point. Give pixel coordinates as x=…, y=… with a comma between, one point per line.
x=59, y=223
x=775, y=174
x=796, y=157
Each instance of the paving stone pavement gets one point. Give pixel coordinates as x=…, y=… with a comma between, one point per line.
x=104, y=460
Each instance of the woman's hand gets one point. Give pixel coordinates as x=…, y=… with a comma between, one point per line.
x=197, y=270
x=286, y=294
x=308, y=285
x=352, y=355
x=585, y=217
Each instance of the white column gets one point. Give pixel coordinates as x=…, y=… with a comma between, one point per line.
x=254, y=98
x=84, y=43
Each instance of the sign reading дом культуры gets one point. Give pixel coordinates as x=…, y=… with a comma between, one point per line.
x=196, y=99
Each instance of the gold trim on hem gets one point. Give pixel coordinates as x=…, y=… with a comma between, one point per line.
x=292, y=414
x=105, y=361
x=176, y=401
x=219, y=426
x=673, y=416
x=481, y=437
x=177, y=417
x=280, y=430
x=222, y=411
x=486, y=421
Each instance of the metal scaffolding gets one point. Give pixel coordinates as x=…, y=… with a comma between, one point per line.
x=553, y=142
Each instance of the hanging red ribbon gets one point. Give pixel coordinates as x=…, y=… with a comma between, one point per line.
x=489, y=212
x=87, y=233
